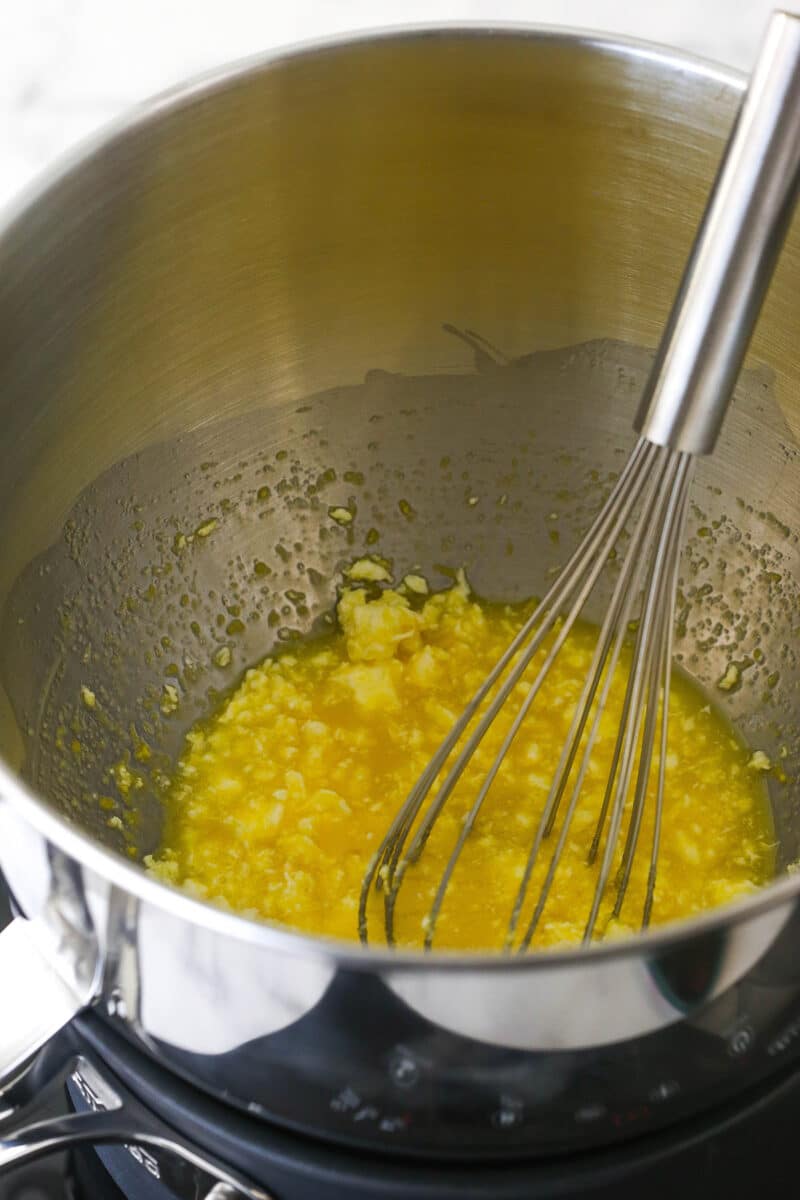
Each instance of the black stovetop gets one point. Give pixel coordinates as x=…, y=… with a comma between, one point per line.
x=746, y=1149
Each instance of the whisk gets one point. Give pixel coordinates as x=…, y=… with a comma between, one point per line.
x=680, y=417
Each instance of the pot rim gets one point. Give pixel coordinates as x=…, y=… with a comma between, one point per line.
x=132, y=877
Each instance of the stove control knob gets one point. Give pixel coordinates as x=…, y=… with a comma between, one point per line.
x=663, y=1091
x=590, y=1112
x=740, y=1041
x=346, y=1101
x=404, y=1069
x=508, y=1114
x=785, y=1039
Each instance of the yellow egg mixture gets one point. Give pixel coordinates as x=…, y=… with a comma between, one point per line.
x=281, y=799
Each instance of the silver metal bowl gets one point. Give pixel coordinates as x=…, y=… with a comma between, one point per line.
x=427, y=266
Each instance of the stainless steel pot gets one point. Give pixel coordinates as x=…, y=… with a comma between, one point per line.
x=252, y=302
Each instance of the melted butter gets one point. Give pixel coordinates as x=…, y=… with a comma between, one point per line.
x=281, y=799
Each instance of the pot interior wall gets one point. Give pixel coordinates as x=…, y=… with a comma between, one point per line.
x=254, y=307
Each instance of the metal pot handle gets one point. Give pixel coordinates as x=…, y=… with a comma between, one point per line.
x=114, y=1117
x=40, y=992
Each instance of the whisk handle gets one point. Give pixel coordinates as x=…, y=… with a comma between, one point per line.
x=733, y=257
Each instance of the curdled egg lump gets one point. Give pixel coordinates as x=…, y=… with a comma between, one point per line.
x=281, y=799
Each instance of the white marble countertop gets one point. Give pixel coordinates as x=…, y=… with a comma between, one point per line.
x=69, y=66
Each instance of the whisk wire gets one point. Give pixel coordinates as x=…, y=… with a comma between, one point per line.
x=652, y=482
x=653, y=695
x=654, y=517
x=664, y=734
x=387, y=866
x=595, y=565
x=616, y=620
x=658, y=691
x=630, y=730
x=385, y=869
x=540, y=625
